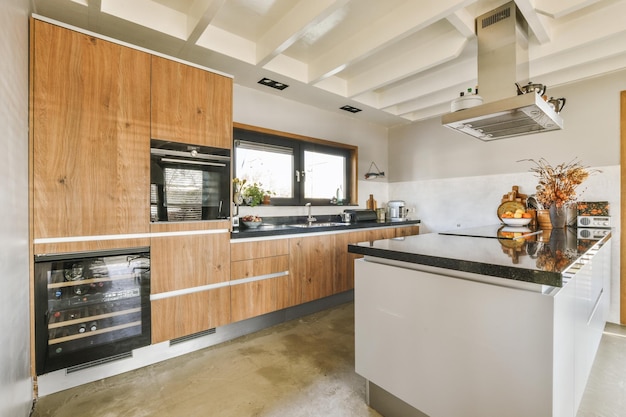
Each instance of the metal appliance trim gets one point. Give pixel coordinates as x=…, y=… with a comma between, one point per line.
x=503, y=60
x=504, y=118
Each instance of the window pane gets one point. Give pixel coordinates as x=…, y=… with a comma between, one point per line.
x=325, y=175
x=271, y=168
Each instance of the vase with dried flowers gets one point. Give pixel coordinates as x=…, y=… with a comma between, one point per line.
x=237, y=190
x=557, y=186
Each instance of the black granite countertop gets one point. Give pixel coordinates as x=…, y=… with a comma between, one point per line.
x=539, y=257
x=275, y=226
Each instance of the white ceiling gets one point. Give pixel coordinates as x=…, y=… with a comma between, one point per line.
x=397, y=60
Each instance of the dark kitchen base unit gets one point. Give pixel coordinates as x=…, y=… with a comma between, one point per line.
x=90, y=306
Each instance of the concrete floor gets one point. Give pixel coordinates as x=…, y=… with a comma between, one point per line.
x=304, y=367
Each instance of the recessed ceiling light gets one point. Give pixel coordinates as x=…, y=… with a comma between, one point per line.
x=274, y=84
x=350, y=109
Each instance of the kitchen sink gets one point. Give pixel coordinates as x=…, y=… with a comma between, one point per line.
x=321, y=224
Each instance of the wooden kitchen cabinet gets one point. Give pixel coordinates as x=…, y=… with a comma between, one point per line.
x=407, y=231
x=264, y=266
x=90, y=135
x=378, y=234
x=191, y=105
x=344, y=275
x=182, y=315
x=180, y=262
x=311, y=267
x=193, y=259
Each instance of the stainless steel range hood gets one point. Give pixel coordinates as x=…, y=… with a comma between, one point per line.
x=502, y=61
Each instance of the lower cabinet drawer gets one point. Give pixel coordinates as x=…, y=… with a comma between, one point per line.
x=186, y=314
x=258, y=267
x=254, y=298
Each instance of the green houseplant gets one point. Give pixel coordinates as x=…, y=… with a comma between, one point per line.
x=254, y=193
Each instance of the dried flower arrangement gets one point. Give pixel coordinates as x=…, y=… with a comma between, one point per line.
x=555, y=261
x=557, y=185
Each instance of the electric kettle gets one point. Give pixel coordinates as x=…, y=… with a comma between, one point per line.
x=397, y=210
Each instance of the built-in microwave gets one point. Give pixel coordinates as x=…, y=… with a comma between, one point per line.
x=188, y=182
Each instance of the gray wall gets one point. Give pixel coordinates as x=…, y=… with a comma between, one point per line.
x=15, y=380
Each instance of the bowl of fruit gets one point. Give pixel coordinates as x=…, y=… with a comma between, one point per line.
x=252, y=221
x=514, y=214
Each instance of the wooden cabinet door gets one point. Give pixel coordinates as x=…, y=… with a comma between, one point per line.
x=252, y=260
x=344, y=275
x=187, y=314
x=254, y=250
x=312, y=265
x=91, y=135
x=407, y=231
x=187, y=261
x=254, y=298
x=191, y=105
x=386, y=233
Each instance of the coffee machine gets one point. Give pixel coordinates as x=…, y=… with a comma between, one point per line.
x=397, y=210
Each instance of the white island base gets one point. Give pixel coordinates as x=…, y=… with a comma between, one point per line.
x=440, y=343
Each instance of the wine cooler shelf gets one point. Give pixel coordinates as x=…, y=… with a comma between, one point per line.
x=90, y=306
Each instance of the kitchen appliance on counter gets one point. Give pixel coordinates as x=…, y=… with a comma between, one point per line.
x=188, y=182
x=346, y=217
x=397, y=211
x=90, y=307
x=593, y=220
x=360, y=215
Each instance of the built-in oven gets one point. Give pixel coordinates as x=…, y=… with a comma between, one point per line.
x=90, y=306
x=188, y=182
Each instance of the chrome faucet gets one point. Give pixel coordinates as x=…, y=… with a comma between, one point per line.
x=310, y=219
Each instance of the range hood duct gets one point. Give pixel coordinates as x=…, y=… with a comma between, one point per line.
x=503, y=61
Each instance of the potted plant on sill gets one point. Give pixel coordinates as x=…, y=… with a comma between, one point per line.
x=254, y=194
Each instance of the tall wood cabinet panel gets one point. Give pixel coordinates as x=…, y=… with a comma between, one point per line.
x=191, y=105
x=187, y=314
x=91, y=135
x=312, y=265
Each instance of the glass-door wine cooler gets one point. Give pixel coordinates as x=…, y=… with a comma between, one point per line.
x=90, y=306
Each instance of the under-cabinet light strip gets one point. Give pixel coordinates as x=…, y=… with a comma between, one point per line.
x=193, y=290
x=189, y=232
x=258, y=278
x=186, y=291
x=127, y=236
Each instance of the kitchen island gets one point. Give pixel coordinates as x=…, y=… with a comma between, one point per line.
x=480, y=322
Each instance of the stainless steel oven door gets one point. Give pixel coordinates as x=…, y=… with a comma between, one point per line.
x=189, y=185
